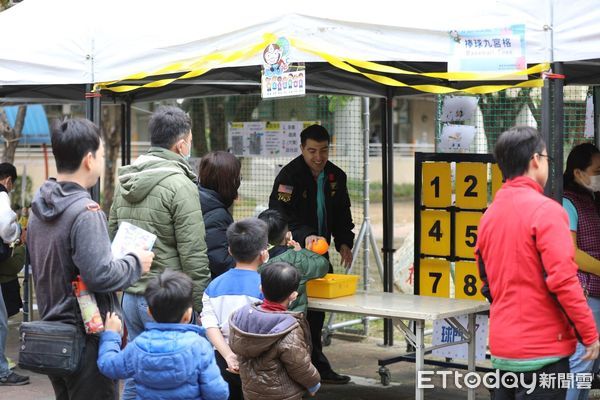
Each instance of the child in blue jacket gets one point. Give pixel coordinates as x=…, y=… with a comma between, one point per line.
x=171, y=359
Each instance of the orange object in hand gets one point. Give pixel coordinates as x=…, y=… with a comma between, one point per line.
x=320, y=246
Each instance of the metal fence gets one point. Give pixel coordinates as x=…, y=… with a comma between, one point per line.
x=499, y=111
x=342, y=116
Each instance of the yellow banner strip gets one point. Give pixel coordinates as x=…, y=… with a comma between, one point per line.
x=436, y=89
x=464, y=76
x=459, y=76
x=196, y=67
x=205, y=63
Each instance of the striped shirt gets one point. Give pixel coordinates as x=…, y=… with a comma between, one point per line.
x=228, y=292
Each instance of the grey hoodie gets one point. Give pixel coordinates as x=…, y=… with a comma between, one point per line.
x=67, y=234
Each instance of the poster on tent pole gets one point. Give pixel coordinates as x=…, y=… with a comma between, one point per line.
x=266, y=139
x=498, y=51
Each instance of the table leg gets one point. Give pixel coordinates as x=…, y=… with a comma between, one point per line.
x=471, y=351
x=419, y=356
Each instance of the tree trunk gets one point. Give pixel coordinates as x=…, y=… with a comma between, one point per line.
x=111, y=134
x=12, y=135
x=241, y=107
x=196, y=109
x=245, y=107
x=216, y=120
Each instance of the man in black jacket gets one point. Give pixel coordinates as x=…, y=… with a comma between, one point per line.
x=311, y=193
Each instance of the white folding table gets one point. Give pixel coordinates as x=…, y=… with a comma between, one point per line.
x=400, y=307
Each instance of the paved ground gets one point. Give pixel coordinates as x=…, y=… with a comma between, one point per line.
x=358, y=359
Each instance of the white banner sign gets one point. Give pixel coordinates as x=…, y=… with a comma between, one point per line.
x=444, y=333
x=266, y=139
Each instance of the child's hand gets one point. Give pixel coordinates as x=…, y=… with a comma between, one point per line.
x=294, y=244
x=113, y=322
x=233, y=365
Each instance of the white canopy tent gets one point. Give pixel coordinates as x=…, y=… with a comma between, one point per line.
x=53, y=49
x=83, y=41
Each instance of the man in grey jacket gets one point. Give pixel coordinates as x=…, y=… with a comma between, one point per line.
x=67, y=236
x=158, y=193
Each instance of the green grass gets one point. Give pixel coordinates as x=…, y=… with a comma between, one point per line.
x=402, y=191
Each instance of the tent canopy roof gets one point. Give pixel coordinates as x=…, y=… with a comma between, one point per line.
x=98, y=41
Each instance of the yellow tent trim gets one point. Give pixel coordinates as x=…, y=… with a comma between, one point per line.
x=200, y=66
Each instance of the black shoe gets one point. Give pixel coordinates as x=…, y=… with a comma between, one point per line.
x=596, y=382
x=14, y=379
x=334, y=378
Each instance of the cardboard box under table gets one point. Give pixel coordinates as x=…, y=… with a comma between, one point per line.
x=419, y=309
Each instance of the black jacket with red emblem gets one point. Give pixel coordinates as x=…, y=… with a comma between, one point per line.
x=295, y=195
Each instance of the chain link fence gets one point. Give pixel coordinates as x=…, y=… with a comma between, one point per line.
x=341, y=115
x=497, y=112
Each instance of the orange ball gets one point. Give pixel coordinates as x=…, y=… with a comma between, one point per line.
x=320, y=246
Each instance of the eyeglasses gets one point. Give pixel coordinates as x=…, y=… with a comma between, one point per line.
x=550, y=159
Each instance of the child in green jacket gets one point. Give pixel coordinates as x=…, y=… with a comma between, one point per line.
x=284, y=248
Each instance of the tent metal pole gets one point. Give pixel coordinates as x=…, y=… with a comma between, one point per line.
x=596, y=100
x=123, y=132
x=547, y=123
x=388, y=208
x=127, y=142
x=557, y=133
x=93, y=113
x=126, y=134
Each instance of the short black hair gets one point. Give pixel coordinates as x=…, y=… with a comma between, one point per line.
x=71, y=140
x=247, y=238
x=168, y=125
x=515, y=148
x=276, y=224
x=279, y=280
x=580, y=158
x=6, y=170
x=169, y=296
x=315, y=132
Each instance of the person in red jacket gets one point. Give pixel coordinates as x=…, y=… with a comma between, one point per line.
x=526, y=263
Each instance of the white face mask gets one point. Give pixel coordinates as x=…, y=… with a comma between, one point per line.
x=594, y=185
x=189, y=154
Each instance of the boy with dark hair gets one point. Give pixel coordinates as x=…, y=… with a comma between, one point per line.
x=283, y=248
x=171, y=359
x=67, y=236
x=525, y=255
x=235, y=288
x=273, y=344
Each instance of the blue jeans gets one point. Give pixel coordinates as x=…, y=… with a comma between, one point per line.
x=4, y=371
x=135, y=314
x=576, y=364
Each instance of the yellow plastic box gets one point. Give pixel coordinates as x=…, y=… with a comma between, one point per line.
x=332, y=286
